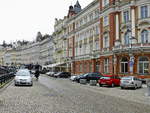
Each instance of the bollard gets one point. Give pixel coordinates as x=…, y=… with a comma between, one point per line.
x=148, y=87
x=93, y=82
x=83, y=81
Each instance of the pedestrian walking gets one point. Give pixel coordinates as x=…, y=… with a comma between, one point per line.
x=37, y=71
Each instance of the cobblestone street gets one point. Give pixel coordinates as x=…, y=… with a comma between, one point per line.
x=50, y=95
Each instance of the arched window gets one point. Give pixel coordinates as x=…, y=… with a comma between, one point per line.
x=124, y=65
x=144, y=36
x=126, y=38
x=143, y=65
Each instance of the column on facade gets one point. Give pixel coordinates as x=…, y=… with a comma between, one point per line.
x=132, y=38
x=88, y=45
x=93, y=40
x=133, y=21
x=133, y=24
x=83, y=42
x=117, y=41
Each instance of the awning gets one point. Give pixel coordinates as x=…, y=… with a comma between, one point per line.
x=54, y=65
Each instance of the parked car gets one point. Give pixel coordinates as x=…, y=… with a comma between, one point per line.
x=130, y=82
x=62, y=75
x=77, y=78
x=90, y=76
x=72, y=78
x=3, y=70
x=109, y=80
x=48, y=73
x=23, y=77
x=44, y=71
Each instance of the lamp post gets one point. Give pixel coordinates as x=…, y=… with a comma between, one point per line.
x=131, y=61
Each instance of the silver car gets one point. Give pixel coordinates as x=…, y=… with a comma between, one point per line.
x=23, y=77
x=130, y=82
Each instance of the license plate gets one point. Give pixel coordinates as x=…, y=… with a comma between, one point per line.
x=23, y=81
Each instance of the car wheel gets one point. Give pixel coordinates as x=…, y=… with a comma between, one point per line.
x=122, y=87
x=112, y=85
x=100, y=85
x=135, y=87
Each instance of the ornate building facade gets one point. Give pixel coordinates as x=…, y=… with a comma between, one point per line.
x=107, y=36
x=86, y=40
x=123, y=38
x=46, y=51
x=131, y=48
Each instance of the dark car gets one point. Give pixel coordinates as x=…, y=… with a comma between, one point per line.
x=3, y=70
x=62, y=75
x=90, y=76
x=77, y=79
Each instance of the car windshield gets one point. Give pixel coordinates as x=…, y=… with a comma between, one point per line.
x=85, y=74
x=105, y=78
x=23, y=73
x=127, y=78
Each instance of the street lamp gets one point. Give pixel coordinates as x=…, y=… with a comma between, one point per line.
x=131, y=61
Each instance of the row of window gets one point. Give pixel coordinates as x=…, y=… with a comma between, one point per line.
x=143, y=66
x=87, y=18
x=145, y=38
x=126, y=15
x=88, y=47
x=87, y=33
x=143, y=11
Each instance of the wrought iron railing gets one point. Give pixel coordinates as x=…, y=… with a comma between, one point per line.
x=4, y=78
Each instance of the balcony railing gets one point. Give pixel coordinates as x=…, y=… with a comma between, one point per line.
x=133, y=47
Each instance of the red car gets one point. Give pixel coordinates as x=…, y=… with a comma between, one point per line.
x=109, y=80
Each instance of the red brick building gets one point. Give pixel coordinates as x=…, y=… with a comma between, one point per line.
x=122, y=45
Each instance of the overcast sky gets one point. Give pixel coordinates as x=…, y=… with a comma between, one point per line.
x=22, y=19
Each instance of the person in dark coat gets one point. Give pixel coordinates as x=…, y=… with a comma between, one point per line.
x=37, y=72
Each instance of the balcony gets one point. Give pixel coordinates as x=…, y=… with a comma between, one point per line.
x=134, y=47
x=105, y=50
x=58, y=50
